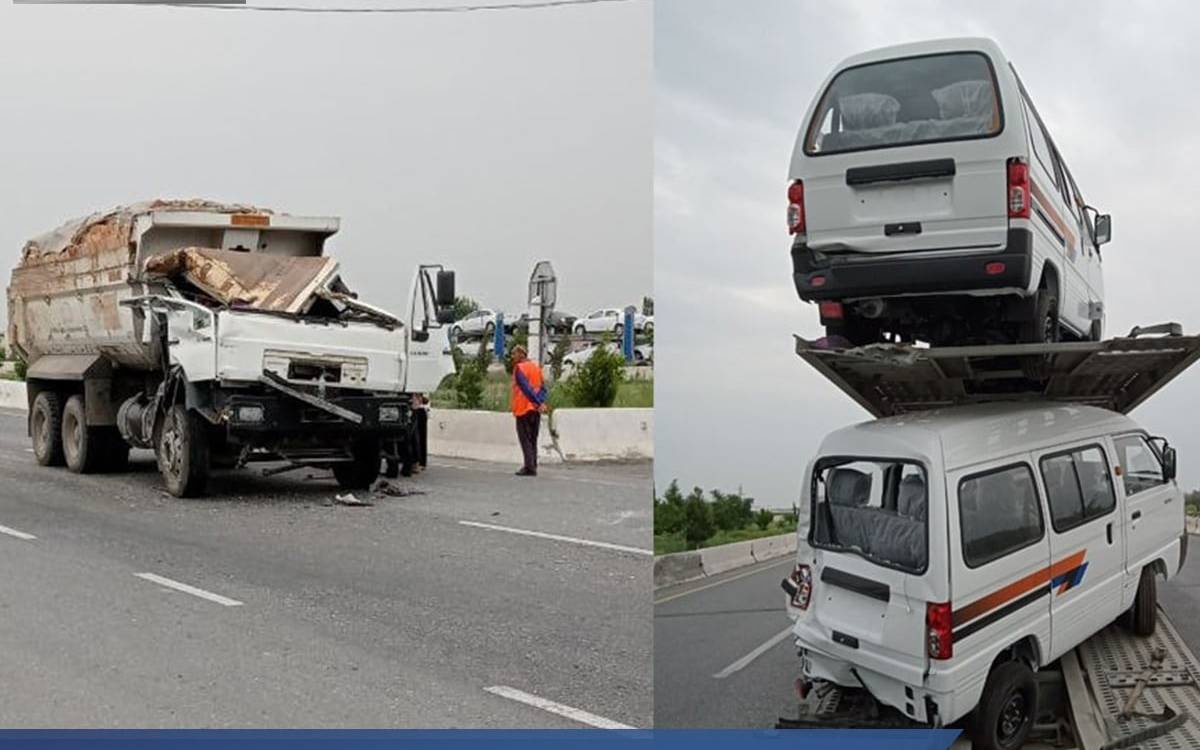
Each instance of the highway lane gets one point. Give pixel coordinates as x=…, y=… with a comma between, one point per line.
x=266, y=604
x=701, y=629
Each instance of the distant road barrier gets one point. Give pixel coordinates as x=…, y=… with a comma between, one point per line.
x=679, y=567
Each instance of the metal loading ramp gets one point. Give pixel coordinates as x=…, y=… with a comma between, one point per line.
x=1164, y=713
x=1117, y=374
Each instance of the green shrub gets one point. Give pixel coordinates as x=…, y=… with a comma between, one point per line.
x=595, y=382
x=764, y=518
x=697, y=519
x=468, y=383
x=21, y=369
x=557, y=354
x=731, y=511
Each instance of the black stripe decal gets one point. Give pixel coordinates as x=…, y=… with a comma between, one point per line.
x=857, y=584
x=999, y=614
x=1050, y=225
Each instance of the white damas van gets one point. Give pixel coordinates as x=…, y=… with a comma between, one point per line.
x=929, y=202
x=945, y=556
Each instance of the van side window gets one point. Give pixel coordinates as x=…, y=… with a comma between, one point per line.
x=1078, y=487
x=1140, y=467
x=998, y=513
x=1041, y=143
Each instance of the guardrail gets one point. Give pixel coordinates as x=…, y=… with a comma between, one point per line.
x=680, y=567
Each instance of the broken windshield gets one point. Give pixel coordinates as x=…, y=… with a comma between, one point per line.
x=874, y=507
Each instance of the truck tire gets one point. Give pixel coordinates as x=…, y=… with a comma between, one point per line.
x=83, y=447
x=45, y=429
x=361, y=471
x=117, y=458
x=1005, y=713
x=1145, y=604
x=182, y=451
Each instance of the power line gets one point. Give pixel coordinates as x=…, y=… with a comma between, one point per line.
x=532, y=5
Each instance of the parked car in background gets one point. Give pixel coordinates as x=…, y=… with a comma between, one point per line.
x=929, y=202
x=475, y=324
x=643, y=354
x=608, y=320
x=557, y=322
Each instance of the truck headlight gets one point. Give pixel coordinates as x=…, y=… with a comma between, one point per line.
x=389, y=413
x=250, y=413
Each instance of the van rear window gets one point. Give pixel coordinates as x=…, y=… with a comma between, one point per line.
x=907, y=101
x=876, y=508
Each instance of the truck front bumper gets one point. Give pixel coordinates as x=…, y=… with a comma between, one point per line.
x=260, y=410
x=820, y=276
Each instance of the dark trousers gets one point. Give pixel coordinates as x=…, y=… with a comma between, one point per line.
x=422, y=417
x=527, y=433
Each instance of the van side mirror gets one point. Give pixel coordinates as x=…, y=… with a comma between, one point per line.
x=1103, y=229
x=1168, y=461
x=445, y=296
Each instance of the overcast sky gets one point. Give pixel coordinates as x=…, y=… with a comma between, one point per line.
x=486, y=141
x=734, y=405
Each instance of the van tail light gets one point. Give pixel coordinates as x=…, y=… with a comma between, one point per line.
x=831, y=310
x=795, y=213
x=801, y=580
x=940, y=627
x=1018, y=189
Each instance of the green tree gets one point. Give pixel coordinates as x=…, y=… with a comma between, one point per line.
x=731, y=511
x=464, y=306
x=763, y=518
x=595, y=382
x=669, y=510
x=468, y=383
x=697, y=519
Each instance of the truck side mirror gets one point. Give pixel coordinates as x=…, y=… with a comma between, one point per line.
x=445, y=296
x=1168, y=461
x=1103, y=229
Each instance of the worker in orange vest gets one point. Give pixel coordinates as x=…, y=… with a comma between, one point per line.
x=528, y=405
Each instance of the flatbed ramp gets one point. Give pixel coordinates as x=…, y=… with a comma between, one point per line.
x=1117, y=374
x=1082, y=698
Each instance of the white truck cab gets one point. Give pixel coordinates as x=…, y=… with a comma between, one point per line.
x=945, y=556
x=927, y=201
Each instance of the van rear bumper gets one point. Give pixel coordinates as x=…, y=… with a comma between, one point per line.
x=855, y=275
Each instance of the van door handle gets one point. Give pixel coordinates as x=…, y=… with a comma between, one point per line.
x=1136, y=515
x=1108, y=529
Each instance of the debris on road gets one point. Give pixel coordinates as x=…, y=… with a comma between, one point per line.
x=384, y=487
x=351, y=499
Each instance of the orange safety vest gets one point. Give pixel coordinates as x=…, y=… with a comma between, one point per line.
x=522, y=404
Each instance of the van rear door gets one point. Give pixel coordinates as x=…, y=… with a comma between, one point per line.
x=870, y=530
x=900, y=155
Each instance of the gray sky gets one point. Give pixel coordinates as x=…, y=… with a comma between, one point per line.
x=487, y=141
x=734, y=405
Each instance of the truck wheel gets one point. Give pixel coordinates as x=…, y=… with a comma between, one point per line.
x=45, y=428
x=83, y=446
x=1145, y=604
x=183, y=456
x=361, y=471
x=118, y=450
x=1005, y=713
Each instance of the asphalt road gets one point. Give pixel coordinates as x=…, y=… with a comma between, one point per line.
x=305, y=613
x=721, y=659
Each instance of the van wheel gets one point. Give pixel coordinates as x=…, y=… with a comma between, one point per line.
x=1097, y=331
x=857, y=332
x=83, y=447
x=361, y=471
x=45, y=428
x=1145, y=604
x=183, y=454
x=1043, y=328
x=1004, y=716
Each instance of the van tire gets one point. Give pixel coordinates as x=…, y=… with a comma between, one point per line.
x=1005, y=713
x=1043, y=327
x=1097, y=331
x=1145, y=604
x=45, y=429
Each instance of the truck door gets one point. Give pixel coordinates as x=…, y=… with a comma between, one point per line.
x=1086, y=544
x=428, y=356
x=1152, y=517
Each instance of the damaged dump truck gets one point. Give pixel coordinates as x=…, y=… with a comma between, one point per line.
x=217, y=335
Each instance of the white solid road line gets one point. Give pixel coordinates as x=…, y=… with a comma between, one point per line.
x=744, y=662
x=574, y=714
x=558, y=538
x=226, y=601
x=17, y=534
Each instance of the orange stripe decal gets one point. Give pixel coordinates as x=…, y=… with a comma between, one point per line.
x=1055, y=219
x=1004, y=595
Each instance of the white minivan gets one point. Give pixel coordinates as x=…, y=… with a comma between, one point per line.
x=945, y=556
x=929, y=202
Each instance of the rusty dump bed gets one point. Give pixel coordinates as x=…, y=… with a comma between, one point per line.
x=1118, y=374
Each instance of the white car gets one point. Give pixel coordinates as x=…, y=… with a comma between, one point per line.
x=929, y=202
x=946, y=556
x=579, y=356
x=481, y=323
x=609, y=320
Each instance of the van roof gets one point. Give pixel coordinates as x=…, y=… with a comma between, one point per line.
x=933, y=46
x=979, y=432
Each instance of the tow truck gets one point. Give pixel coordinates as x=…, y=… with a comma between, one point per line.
x=1116, y=690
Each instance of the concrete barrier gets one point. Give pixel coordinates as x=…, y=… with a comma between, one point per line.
x=677, y=568
x=1193, y=524
x=12, y=395
x=583, y=435
x=680, y=567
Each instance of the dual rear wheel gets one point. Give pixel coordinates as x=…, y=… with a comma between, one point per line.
x=61, y=436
